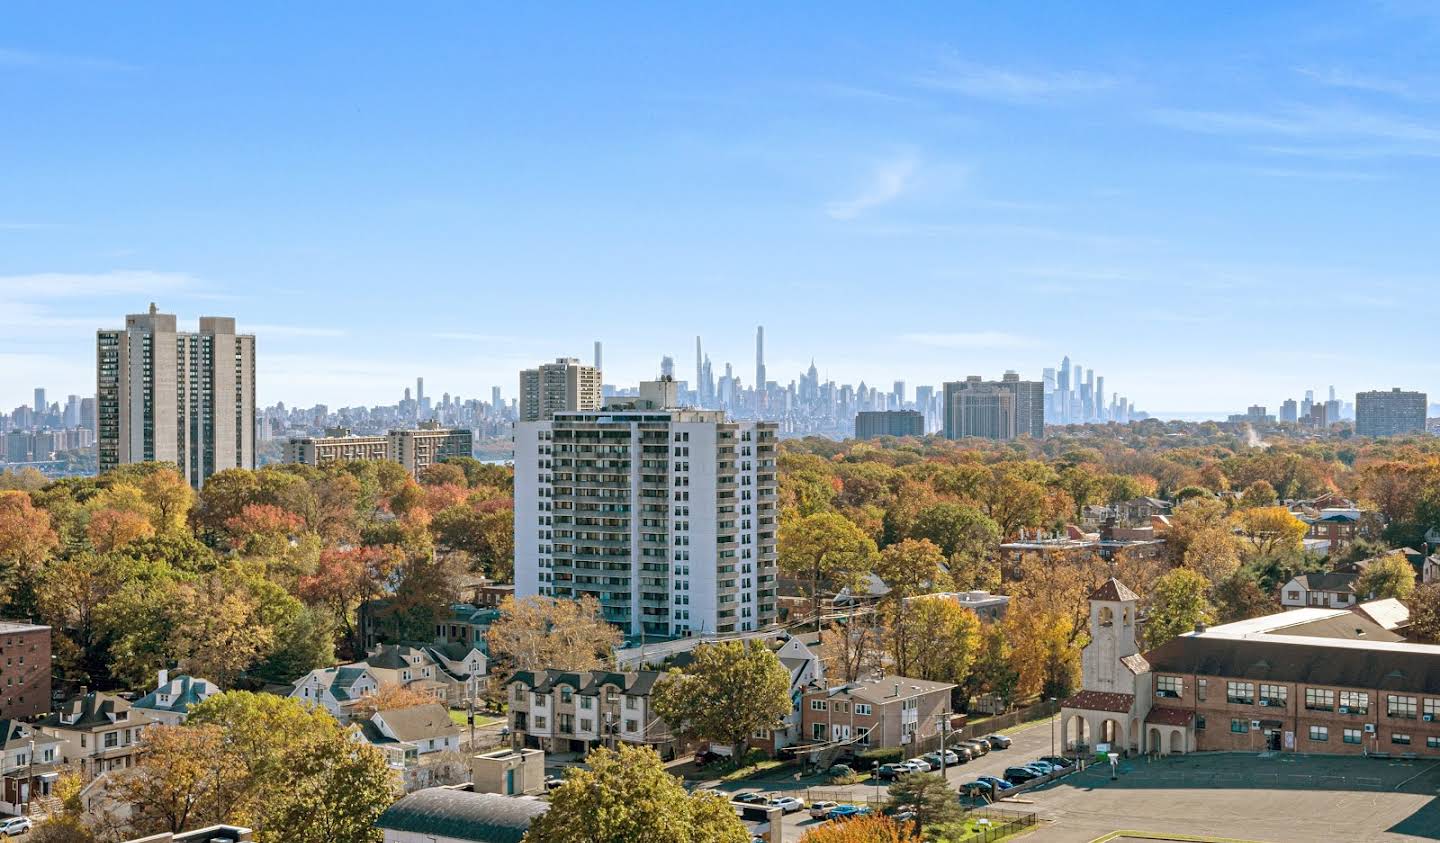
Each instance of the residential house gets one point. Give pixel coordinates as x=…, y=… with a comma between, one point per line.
x=576, y=711
x=874, y=711
x=452, y=815
x=172, y=699
x=27, y=766
x=1139, y=511
x=1389, y=613
x=1335, y=590
x=1329, y=530
x=411, y=738
x=806, y=669
x=452, y=673
x=24, y=669
x=98, y=732
x=336, y=689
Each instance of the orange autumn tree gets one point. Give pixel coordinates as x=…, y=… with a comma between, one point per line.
x=872, y=829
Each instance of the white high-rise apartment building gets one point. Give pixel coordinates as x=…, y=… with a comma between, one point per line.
x=667, y=516
x=175, y=396
x=558, y=387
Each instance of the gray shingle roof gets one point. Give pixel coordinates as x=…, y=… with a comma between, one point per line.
x=476, y=817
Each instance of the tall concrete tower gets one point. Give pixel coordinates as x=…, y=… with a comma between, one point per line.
x=760, y=358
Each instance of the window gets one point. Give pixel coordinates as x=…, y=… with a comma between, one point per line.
x=632, y=703
x=539, y=700
x=1200, y=688
x=842, y=708
x=1240, y=693
x=1351, y=736
x=1319, y=699
x=1169, y=686
x=1273, y=695
x=817, y=731
x=1432, y=742
x=862, y=709
x=1355, y=702
x=112, y=739
x=539, y=722
x=566, y=694
x=1397, y=738
x=519, y=693
x=632, y=725
x=817, y=705
x=587, y=703
x=1200, y=722
x=1399, y=707
x=1319, y=733
x=1239, y=726
x=1432, y=709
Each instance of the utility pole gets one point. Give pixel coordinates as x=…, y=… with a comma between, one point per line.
x=470, y=715
x=943, y=718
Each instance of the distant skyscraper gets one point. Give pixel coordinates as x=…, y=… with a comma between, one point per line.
x=699, y=374
x=1064, y=389
x=899, y=393
x=562, y=386
x=1100, y=414
x=172, y=396
x=72, y=412
x=1289, y=411
x=667, y=368
x=599, y=366
x=1392, y=413
x=869, y=424
x=495, y=398
x=760, y=358
x=41, y=408
x=87, y=414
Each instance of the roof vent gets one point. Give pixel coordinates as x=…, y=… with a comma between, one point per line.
x=1200, y=626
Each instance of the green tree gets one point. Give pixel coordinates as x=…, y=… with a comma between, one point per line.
x=927, y=793
x=992, y=672
x=1424, y=605
x=933, y=638
x=912, y=567
x=302, y=776
x=1271, y=530
x=1389, y=576
x=1177, y=602
x=958, y=530
x=1259, y=493
x=535, y=633
x=626, y=796
x=826, y=549
x=1239, y=597
x=730, y=690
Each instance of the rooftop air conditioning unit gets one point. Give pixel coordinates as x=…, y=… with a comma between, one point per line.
x=1370, y=728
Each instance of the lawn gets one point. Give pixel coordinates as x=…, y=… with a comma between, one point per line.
x=458, y=716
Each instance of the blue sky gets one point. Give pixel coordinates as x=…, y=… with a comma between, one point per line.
x=1212, y=206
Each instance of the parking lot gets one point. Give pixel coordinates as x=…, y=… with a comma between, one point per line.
x=1279, y=798
x=1276, y=798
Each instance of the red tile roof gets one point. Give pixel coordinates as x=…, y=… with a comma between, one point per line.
x=1100, y=701
x=1169, y=716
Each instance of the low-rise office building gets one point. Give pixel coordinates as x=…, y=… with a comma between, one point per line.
x=415, y=449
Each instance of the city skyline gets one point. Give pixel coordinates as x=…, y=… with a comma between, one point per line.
x=877, y=195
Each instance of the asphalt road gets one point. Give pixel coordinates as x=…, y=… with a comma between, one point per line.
x=1028, y=743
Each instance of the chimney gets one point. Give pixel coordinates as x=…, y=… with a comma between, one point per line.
x=163, y=678
x=897, y=689
x=1199, y=626
x=84, y=691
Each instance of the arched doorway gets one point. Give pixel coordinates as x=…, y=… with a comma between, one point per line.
x=1135, y=735
x=1177, y=741
x=1154, y=744
x=1075, y=733
x=1111, y=732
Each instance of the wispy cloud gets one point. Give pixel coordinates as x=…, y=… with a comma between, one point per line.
x=42, y=285
x=293, y=331
x=969, y=340
x=11, y=57
x=1348, y=80
x=888, y=182
x=1006, y=85
x=1394, y=134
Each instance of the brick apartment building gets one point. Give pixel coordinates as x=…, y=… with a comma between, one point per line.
x=1321, y=680
x=24, y=670
x=874, y=712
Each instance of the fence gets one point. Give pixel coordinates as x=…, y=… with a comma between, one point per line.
x=994, y=824
x=1014, y=718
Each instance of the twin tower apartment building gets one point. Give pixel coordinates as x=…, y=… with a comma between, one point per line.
x=665, y=515
x=175, y=396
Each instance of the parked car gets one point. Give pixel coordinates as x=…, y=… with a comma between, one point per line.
x=705, y=757
x=998, y=741
x=996, y=782
x=951, y=759
x=787, y=804
x=985, y=745
x=818, y=810
x=552, y=782
x=1059, y=761
x=920, y=765
x=1043, y=766
x=15, y=825
x=1021, y=775
x=965, y=750
x=890, y=772
x=846, y=812
x=901, y=813
x=753, y=797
